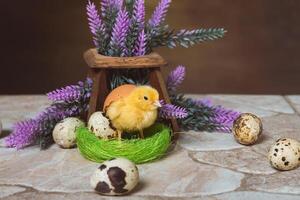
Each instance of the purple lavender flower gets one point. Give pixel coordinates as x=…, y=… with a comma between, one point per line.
x=119, y=32
x=139, y=12
x=224, y=117
x=30, y=131
x=140, y=46
x=70, y=93
x=105, y=5
x=24, y=134
x=109, y=4
x=203, y=102
x=118, y=3
x=95, y=23
x=168, y=111
x=93, y=17
x=176, y=77
x=27, y=132
x=159, y=14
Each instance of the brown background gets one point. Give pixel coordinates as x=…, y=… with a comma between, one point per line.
x=42, y=42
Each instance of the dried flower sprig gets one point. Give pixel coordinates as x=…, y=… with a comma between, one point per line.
x=68, y=94
x=109, y=13
x=96, y=26
x=136, y=28
x=39, y=129
x=71, y=93
x=107, y=5
x=168, y=111
x=187, y=38
x=24, y=134
x=175, y=78
x=138, y=14
x=117, y=43
x=33, y=130
x=225, y=116
x=93, y=18
x=159, y=14
x=203, y=102
x=201, y=114
x=201, y=117
x=140, y=48
x=157, y=33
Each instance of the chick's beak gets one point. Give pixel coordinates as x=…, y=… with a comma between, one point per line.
x=157, y=104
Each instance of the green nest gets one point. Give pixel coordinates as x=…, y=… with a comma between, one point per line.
x=154, y=146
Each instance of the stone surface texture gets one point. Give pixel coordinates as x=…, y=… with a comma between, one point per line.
x=210, y=166
x=10, y=190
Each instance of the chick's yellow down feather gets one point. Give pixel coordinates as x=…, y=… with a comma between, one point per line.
x=136, y=111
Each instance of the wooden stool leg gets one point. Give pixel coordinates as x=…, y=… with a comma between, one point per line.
x=157, y=81
x=99, y=90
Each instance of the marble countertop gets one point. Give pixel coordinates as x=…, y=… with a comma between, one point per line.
x=202, y=166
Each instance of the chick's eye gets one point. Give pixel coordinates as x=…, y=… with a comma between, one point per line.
x=146, y=98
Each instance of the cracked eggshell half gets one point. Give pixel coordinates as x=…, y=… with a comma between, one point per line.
x=100, y=126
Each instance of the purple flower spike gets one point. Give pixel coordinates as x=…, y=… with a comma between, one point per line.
x=139, y=12
x=93, y=17
x=71, y=93
x=140, y=47
x=203, y=102
x=68, y=94
x=224, y=116
x=120, y=30
x=105, y=4
x=108, y=4
x=159, y=14
x=95, y=23
x=67, y=104
x=168, y=111
x=24, y=134
x=118, y=4
x=176, y=77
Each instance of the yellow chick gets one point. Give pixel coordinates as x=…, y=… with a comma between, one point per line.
x=134, y=112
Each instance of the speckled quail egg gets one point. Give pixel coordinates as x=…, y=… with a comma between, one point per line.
x=115, y=177
x=285, y=154
x=100, y=126
x=64, y=133
x=247, y=128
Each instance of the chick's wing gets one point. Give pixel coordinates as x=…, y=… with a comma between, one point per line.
x=114, y=109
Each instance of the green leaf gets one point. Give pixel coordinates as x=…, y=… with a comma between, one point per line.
x=187, y=38
x=129, y=4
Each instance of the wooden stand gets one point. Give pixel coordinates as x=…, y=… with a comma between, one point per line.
x=99, y=69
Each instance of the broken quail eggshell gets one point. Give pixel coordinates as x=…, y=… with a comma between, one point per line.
x=100, y=126
x=118, y=176
x=64, y=133
x=247, y=128
x=285, y=154
x=118, y=93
